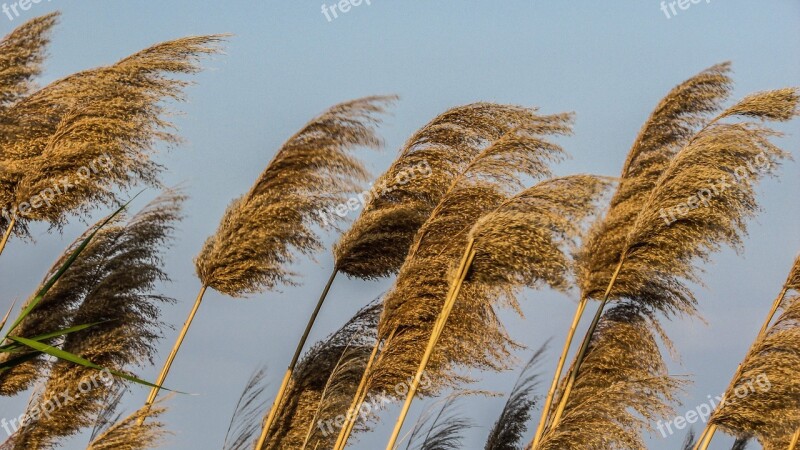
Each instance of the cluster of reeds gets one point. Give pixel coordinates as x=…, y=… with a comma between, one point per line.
x=478, y=218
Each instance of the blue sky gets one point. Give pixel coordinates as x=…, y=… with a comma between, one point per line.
x=610, y=62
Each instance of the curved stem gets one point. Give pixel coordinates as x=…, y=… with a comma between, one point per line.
x=276, y=404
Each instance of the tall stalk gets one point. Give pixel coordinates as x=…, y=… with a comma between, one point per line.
x=151, y=398
x=441, y=321
x=276, y=405
x=795, y=439
x=7, y=234
x=585, y=346
x=358, y=399
x=559, y=369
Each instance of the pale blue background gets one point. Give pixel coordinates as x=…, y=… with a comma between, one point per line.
x=608, y=61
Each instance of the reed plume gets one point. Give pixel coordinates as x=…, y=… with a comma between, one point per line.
x=78, y=142
x=124, y=263
x=407, y=193
x=509, y=430
x=520, y=244
x=700, y=202
x=261, y=232
x=475, y=339
x=245, y=422
x=88, y=283
x=623, y=386
x=762, y=399
x=673, y=122
x=312, y=173
x=323, y=385
x=22, y=53
x=377, y=243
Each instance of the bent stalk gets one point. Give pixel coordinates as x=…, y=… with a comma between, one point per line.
x=559, y=369
x=585, y=347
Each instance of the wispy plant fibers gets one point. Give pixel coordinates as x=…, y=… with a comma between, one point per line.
x=78, y=142
x=126, y=434
x=22, y=53
x=677, y=117
x=124, y=267
x=509, y=430
x=412, y=307
x=311, y=174
x=623, y=386
x=660, y=256
x=763, y=399
x=245, y=423
x=408, y=192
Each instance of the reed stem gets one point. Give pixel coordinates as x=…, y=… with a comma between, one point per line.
x=7, y=234
x=795, y=438
x=441, y=321
x=276, y=404
x=559, y=369
x=587, y=340
x=171, y=358
x=360, y=395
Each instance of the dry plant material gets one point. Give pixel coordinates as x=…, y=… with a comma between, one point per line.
x=126, y=434
x=408, y=192
x=726, y=159
x=312, y=173
x=245, y=422
x=474, y=337
x=622, y=388
x=123, y=264
x=22, y=53
x=763, y=399
x=676, y=118
x=80, y=141
x=442, y=429
x=510, y=428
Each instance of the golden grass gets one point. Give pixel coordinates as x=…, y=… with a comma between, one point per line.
x=378, y=241
x=114, y=286
x=106, y=121
x=311, y=173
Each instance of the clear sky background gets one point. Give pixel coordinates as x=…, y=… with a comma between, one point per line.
x=610, y=62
